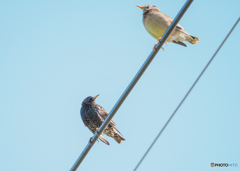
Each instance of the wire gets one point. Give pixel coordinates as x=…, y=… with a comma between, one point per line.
x=185, y=96
x=130, y=86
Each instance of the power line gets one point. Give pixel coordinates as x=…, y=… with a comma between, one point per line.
x=185, y=96
x=131, y=85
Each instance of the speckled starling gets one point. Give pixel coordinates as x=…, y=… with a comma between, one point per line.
x=93, y=116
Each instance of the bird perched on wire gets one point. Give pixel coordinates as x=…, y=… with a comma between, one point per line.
x=156, y=23
x=93, y=116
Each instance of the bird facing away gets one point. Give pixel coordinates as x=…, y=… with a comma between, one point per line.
x=156, y=23
x=93, y=116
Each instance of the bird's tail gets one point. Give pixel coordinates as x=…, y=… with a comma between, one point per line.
x=104, y=140
x=193, y=40
x=118, y=138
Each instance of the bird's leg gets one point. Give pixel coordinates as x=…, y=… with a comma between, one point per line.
x=90, y=140
x=154, y=48
x=97, y=131
x=164, y=42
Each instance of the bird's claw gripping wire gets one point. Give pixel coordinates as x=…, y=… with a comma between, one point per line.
x=160, y=39
x=154, y=48
x=90, y=140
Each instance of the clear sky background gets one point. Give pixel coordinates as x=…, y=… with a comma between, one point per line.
x=53, y=54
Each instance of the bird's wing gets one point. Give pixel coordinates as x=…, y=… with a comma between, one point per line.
x=103, y=113
x=117, y=130
x=181, y=29
x=168, y=20
x=162, y=19
x=178, y=26
x=180, y=43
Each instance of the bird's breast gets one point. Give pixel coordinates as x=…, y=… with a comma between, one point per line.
x=154, y=25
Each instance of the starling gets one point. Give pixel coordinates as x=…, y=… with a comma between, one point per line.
x=156, y=23
x=93, y=116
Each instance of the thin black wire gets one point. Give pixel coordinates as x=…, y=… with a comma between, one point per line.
x=186, y=96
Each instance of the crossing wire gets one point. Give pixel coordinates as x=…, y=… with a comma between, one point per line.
x=185, y=97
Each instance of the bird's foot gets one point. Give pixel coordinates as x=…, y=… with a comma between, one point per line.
x=154, y=47
x=164, y=42
x=90, y=140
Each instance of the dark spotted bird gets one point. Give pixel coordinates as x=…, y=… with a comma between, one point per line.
x=156, y=23
x=93, y=116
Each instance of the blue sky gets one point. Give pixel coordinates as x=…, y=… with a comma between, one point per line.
x=56, y=53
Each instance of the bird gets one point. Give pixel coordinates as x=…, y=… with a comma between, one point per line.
x=156, y=23
x=93, y=116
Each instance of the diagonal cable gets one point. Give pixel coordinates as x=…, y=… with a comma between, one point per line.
x=131, y=86
x=185, y=97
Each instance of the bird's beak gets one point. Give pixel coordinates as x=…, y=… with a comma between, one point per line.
x=139, y=6
x=96, y=97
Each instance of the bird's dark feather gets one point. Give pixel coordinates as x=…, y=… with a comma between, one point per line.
x=180, y=43
x=179, y=27
x=145, y=14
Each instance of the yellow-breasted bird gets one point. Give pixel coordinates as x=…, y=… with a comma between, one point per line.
x=156, y=23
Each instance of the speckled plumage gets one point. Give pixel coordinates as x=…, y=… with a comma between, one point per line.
x=93, y=116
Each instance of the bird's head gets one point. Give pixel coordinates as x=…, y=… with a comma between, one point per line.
x=90, y=100
x=147, y=8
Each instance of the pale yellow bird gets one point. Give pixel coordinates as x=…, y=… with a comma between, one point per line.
x=156, y=23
